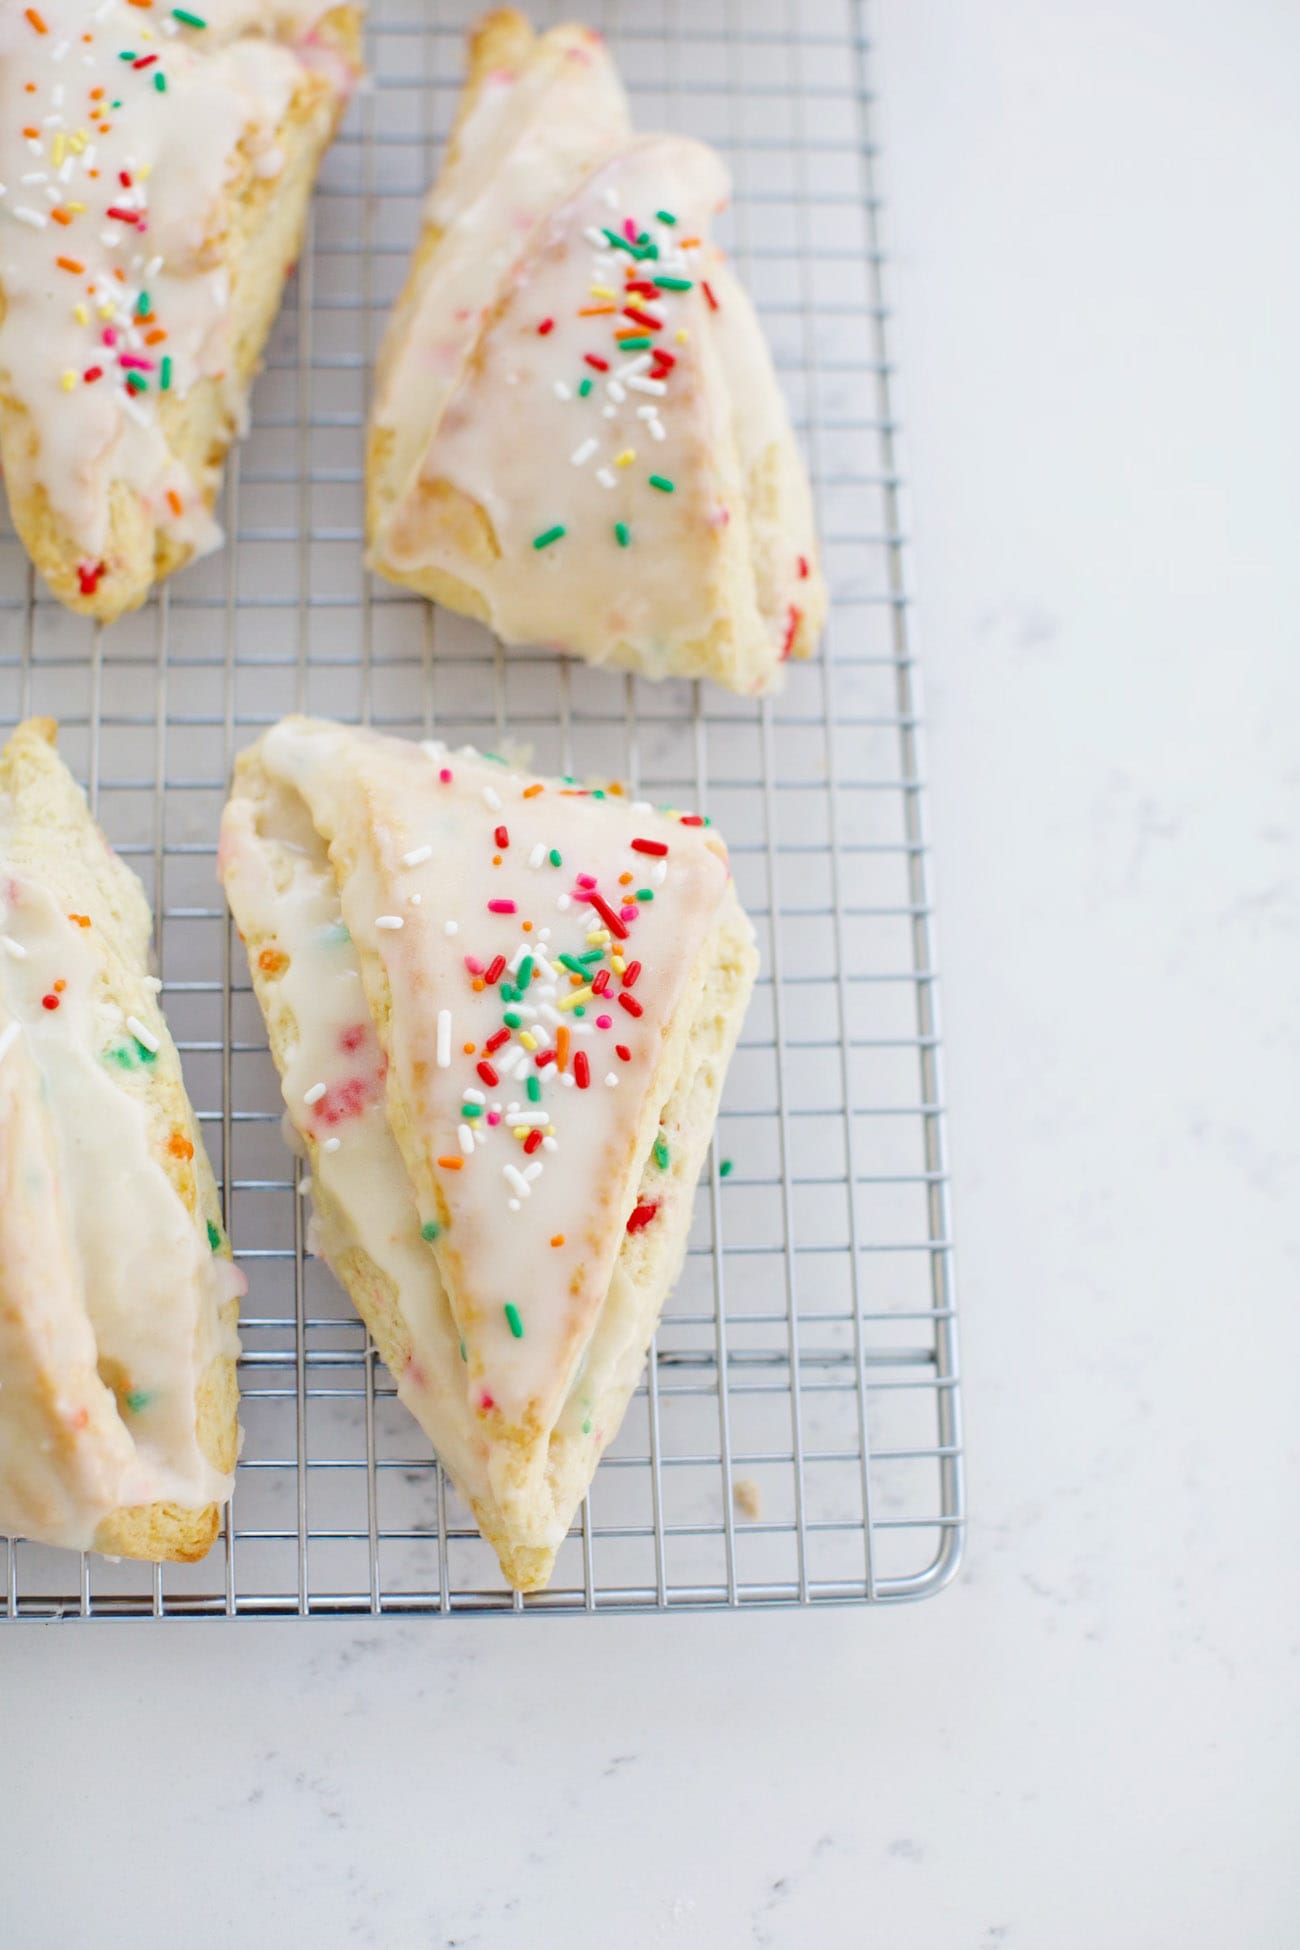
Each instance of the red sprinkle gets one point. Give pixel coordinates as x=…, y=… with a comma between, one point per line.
x=692, y=819
x=92, y=373
x=445, y=776
x=791, y=631
x=124, y=175
x=495, y=969
x=485, y=1402
x=49, y=1002
x=640, y=1217
x=532, y=1142
x=666, y=360
x=502, y=907
x=123, y=216
x=630, y=974
x=644, y=286
x=705, y=288
x=145, y=61
x=803, y=568
x=630, y=1003
x=656, y=847
x=543, y=1057
x=597, y=365
x=608, y=916
x=547, y=325
x=622, y=1052
x=494, y=1043
x=645, y=318
x=581, y=1069
x=501, y=836
x=489, y=1075
x=600, y=981
x=88, y=574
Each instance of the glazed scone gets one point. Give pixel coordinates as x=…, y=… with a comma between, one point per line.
x=157, y=165
x=118, y=1296
x=577, y=435
x=502, y=1009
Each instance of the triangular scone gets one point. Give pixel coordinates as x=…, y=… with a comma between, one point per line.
x=157, y=165
x=502, y=1008
x=118, y=1297
x=577, y=434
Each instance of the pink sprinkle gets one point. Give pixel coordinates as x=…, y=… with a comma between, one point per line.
x=586, y=880
x=445, y=775
x=485, y=1402
x=628, y=913
x=494, y=1117
x=134, y=364
x=502, y=907
x=474, y=967
x=629, y=230
x=604, y=1022
x=110, y=336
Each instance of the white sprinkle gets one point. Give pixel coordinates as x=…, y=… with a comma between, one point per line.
x=56, y=95
x=143, y=1035
x=491, y=798
x=550, y=1144
x=616, y=392
x=611, y=1080
x=432, y=748
x=633, y=366
x=596, y=238
x=532, y=1120
x=549, y=1015
x=607, y=413
x=611, y=197
x=32, y=218
x=153, y=985
x=8, y=1037
x=517, y=1183
x=560, y=390
x=304, y=1185
x=444, y=1039
x=581, y=455
x=314, y=1095
x=416, y=899
x=12, y=947
x=641, y=806
x=473, y=1096
x=604, y=476
x=331, y=1145
x=35, y=176
x=537, y=855
x=417, y=856
x=659, y=872
x=512, y=1204
x=466, y=1137
x=451, y=927
x=58, y=51
x=640, y=385
x=532, y=1173
x=389, y=921
x=153, y=267
x=564, y=903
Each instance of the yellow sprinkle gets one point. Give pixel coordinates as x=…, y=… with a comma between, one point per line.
x=144, y=171
x=68, y=381
x=520, y=1131
x=528, y=1041
x=81, y=315
x=603, y=291
x=550, y=1130
x=617, y=963
x=107, y=309
x=74, y=209
x=78, y=141
x=626, y=458
x=60, y=147
x=573, y=998
x=682, y=336
x=598, y=938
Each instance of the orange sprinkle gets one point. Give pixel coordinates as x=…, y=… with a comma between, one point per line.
x=272, y=962
x=452, y=1164
x=180, y=1147
x=562, y=1047
x=177, y=507
x=30, y=87
x=96, y=94
x=82, y=920
x=145, y=4
x=478, y=985
x=531, y=791
x=527, y=927
x=36, y=20
x=625, y=880
x=469, y=1048
x=690, y=244
x=557, y=1239
x=576, y=981
x=33, y=135
x=70, y=264
x=59, y=987
x=62, y=216
x=615, y=788
x=598, y=311
x=155, y=337
x=496, y=859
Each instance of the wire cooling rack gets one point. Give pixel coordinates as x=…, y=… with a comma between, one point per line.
x=796, y=1440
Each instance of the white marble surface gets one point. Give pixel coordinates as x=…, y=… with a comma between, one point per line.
x=1092, y=1739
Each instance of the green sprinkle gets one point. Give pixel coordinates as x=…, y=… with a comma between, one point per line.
x=662, y=283
x=142, y=305
x=548, y=535
x=165, y=378
x=665, y=216
x=621, y=244
x=136, y=1399
x=634, y=345
x=507, y=993
x=160, y=81
x=430, y=1230
x=645, y=893
x=463, y=1355
x=592, y=954
x=586, y=1427
x=623, y=532
x=471, y=1110
x=523, y=978
x=116, y=104
x=188, y=19
x=214, y=1237
x=137, y=382
x=584, y=388
x=664, y=485
x=495, y=757
x=554, y=858
x=724, y=1169
x=534, y=1089
x=127, y=56
x=513, y=1321
x=573, y=965
x=579, y=1010
x=511, y=1020
x=661, y=1154
x=597, y=793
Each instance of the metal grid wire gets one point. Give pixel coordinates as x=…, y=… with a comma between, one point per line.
x=796, y=1440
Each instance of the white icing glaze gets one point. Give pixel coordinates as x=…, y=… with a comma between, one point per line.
x=507, y=1234
x=480, y=383
x=227, y=88
x=131, y=1285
